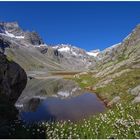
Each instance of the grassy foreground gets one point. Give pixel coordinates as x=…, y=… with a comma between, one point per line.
x=120, y=122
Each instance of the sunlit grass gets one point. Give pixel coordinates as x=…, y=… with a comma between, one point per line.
x=120, y=86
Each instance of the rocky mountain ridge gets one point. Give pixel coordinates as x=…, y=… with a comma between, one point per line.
x=29, y=50
x=65, y=57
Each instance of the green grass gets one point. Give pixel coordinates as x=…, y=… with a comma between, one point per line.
x=120, y=122
x=86, y=80
x=120, y=86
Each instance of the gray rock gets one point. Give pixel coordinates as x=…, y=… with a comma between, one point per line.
x=135, y=91
x=103, y=83
x=136, y=100
x=33, y=38
x=13, y=80
x=114, y=101
x=11, y=27
x=123, y=55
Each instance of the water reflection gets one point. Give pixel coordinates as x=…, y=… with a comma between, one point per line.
x=56, y=99
x=73, y=109
x=51, y=87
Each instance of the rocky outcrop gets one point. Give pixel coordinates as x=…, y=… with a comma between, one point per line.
x=13, y=80
x=115, y=100
x=33, y=38
x=3, y=44
x=123, y=55
x=136, y=100
x=136, y=92
x=11, y=27
x=119, y=59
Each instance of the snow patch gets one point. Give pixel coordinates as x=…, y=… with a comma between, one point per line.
x=12, y=35
x=93, y=53
x=127, y=37
x=55, y=47
x=41, y=45
x=64, y=49
x=111, y=47
x=74, y=53
x=115, y=45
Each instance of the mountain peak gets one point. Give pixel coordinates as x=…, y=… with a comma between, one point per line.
x=13, y=30
x=9, y=24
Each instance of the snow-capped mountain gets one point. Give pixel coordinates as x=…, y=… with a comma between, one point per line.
x=94, y=53
x=74, y=56
x=28, y=49
x=69, y=49
x=6, y=33
x=33, y=53
x=111, y=47
x=12, y=31
x=73, y=50
x=106, y=54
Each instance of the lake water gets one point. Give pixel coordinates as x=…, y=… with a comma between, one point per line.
x=55, y=99
x=55, y=108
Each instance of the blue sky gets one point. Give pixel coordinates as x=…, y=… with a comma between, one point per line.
x=88, y=25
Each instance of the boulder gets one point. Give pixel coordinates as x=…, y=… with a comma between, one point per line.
x=135, y=91
x=114, y=101
x=13, y=80
x=136, y=100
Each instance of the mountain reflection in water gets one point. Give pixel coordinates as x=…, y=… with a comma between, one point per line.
x=74, y=108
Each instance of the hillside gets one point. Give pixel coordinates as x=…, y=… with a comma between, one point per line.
x=117, y=71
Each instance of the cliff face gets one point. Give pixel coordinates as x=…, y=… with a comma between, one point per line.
x=13, y=80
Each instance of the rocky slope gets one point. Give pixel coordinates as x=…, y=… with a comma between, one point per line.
x=73, y=57
x=12, y=79
x=21, y=46
x=117, y=71
x=122, y=56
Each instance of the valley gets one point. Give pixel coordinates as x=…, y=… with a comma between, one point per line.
x=71, y=93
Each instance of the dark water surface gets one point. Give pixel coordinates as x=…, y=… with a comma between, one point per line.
x=54, y=108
